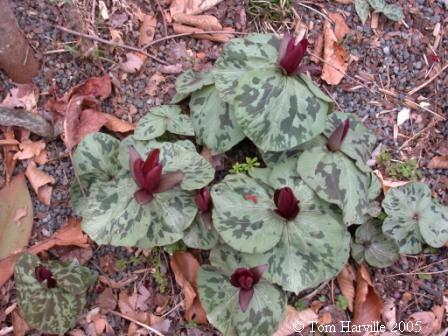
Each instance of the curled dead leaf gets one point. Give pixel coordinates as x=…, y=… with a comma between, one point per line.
x=292, y=317
x=368, y=304
x=185, y=268
x=205, y=22
x=40, y=181
x=117, y=125
x=335, y=56
x=22, y=96
x=134, y=62
x=389, y=314
x=387, y=184
x=29, y=149
x=191, y=6
x=98, y=87
x=346, y=279
x=428, y=322
x=439, y=162
x=180, y=29
x=147, y=30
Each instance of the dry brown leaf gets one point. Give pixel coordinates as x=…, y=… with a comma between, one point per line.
x=81, y=118
x=29, y=149
x=185, y=268
x=147, y=30
x=318, y=49
x=115, y=36
x=344, y=2
x=439, y=313
x=346, y=281
x=152, y=88
x=439, y=162
x=22, y=96
x=340, y=27
x=9, y=142
x=42, y=158
x=427, y=321
x=171, y=69
x=19, y=324
x=8, y=154
x=205, y=22
x=368, y=304
x=181, y=29
x=68, y=253
x=106, y=300
x=98, y=87
x=387, y=184
x=69, y=234
x=16, y=216
x=293, y=316
x=117, y=125
x=40, y=181
x=335, y=56
x=133, y=62
x=128, y=306
x=191, y=6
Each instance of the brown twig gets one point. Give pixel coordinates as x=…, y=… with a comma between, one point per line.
x=418, y=88
x=119, y=45
x=190, y=34
x=147, y=327
x=162, y=13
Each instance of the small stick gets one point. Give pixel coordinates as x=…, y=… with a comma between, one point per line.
x=418, y=88
x=147, y=327
x=162, y=13
x=190, y=34
x=101, y=40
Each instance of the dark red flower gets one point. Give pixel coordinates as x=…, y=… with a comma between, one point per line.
x=245, y=279
x=337, y=137
x=148, y=175
x=204, y=203
x=286, y=202
x=43, y=274
x=291, y=53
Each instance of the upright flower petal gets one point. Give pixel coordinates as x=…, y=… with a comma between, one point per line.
x=168, y=181
x=337, y=137
x=286, y=202
x=143, y=197
x=137, y=173
x=203, y=200
x=152, y=160
x=152, y=179
x=290, y=58
x=244, y=298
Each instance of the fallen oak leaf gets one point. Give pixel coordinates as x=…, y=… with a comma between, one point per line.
x=29, y=149
x=185, y=268
x=346, y=279
x=206, y=22
x=117, y=125
x=439, y=162
x=368, y=304
x=16, y=216
x=335, y=56
x=292, y=317
x=40, y=181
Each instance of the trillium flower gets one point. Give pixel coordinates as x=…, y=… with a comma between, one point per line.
x=291, y=53
x=337, y=137
x=245, y=279
x=286, y=202
x=44, y=274
x=204, y=203
x=149, y=177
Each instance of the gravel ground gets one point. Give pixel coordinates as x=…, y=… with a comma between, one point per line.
x=391, y=57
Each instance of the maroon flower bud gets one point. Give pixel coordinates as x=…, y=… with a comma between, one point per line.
x=291, y=53
x=148, y=175
x=203, y=200
x=337, y=137
x=43, y=274
x=286, y=202
x=245, y=279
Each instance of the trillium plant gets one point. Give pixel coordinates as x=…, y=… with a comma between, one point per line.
x=276, y=228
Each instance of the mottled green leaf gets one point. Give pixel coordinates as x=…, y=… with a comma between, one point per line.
x=359, y=141
x=51, y=310
x=241, y=55
x=213, y=120
x=161, y=119
x=337, y=180
x=362, y=9
x=199, y=236
x=189, y=82
x=377, y=5
x=220, y=300
x=95, y=160
x=393, y=12
x=413, y=217
x=371, y=245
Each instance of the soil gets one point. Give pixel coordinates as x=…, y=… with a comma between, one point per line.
x=394, y=56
